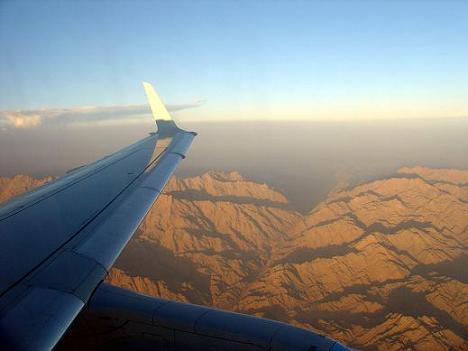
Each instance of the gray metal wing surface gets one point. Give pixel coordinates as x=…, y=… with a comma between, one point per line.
x=58, y=242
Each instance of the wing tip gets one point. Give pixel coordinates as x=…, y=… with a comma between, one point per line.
x=158, y=108
x=164, y=123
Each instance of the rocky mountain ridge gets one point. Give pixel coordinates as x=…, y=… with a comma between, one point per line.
x=380, y=265
x=10, y=187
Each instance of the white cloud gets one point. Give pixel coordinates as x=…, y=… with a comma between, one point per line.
x=20, y=120
x=79, y=116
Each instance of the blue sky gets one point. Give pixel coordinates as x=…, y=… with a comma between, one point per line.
x=248, y=59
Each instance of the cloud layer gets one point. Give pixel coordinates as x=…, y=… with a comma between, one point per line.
x=80, y=116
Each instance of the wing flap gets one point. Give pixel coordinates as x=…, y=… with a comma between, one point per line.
x=39, y=321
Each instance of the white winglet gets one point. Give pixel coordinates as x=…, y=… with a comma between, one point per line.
x=157, y=107
x=165, y=124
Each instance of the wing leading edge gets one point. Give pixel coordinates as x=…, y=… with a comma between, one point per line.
x=59, y=241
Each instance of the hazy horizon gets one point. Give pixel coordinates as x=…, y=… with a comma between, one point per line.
x=304, y=160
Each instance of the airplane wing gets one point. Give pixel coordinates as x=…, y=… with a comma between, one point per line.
x=58, y=242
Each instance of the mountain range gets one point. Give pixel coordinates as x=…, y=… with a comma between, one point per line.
x=379, y=265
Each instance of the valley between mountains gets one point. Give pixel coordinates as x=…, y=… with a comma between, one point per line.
x=379, y=266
